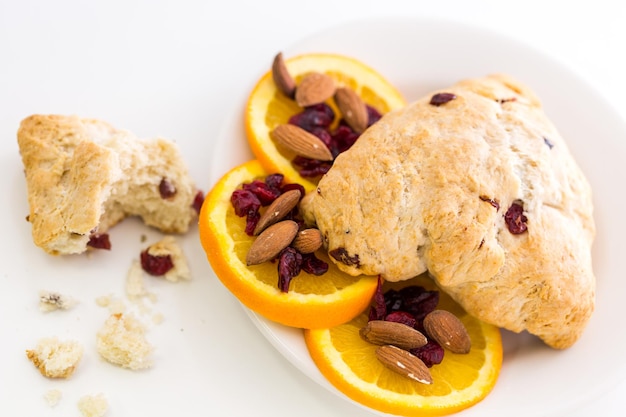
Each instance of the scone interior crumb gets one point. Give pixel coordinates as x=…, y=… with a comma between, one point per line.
x=52, y=397
x=55, y=358
x=93, y=405
x=122, y=342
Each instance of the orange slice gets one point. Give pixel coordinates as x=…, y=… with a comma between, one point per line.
x=460, y=380
x=267, y=107
x=311, y=302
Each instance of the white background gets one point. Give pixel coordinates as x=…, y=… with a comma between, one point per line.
x=178, y=69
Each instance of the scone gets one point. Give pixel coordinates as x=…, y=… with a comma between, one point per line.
x=84, y=176
x=474, y=185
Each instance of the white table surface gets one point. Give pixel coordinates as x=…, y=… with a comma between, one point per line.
x=40, y=50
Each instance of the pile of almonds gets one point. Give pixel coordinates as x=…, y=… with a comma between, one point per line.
x=396, y=339
x=273, y=234
x=314, y=88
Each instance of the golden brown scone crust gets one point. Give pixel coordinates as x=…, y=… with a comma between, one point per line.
x=84, y=176
x=426, y=189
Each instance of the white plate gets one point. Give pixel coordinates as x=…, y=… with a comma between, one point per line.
x=419, y=56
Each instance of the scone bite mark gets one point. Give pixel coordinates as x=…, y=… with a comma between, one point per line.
x=84, y=176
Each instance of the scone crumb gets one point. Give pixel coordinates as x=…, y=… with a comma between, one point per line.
x=55, y=358
x=135, y=284
x=93, y=405
x=122, y=341
x=114, y=304
x=52, y=397
x=168, y=247
x=51, y=301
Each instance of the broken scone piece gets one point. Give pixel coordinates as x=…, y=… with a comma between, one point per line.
x=476, y=186
x=122, y=341
x=84, y=176
x=166, y=258
x=55, y=358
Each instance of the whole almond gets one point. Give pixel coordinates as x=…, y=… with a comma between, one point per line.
x=278, y=210
x=282, y=78
x=381, y=332
x=308, y=240
x=448, y=331
x=271, y=241
x=404, y=363
x=352, y=108
x=314, y=88
x=299, y=141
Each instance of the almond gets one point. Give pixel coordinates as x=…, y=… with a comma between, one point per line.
x=381, y=332
x=301, y=142
x=404, y=363
x=308, y=240
x=271, y=241
x=283, y=80
x=314, y=88
x=276, y=211
x=448, y=331
x=352, y=108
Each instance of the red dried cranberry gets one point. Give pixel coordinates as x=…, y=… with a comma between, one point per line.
x=101, y=241
x=313, y=265
x=166, y=189
x=274, y=181
x=263, y=191
x=342, y=255
x=515, y=219
x=316, y=116
x=198, y=200
x=403, y=317
x=244, y=201
x=156, y=265
x=311, y=168
x=378, y=310
x=373, y=115
x=441, y=98
x=431, y=353
x=342, y=139
x=289, y=262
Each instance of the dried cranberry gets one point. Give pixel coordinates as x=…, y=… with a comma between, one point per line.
x=431, y=353
x=342, y=255
x=289, y=265
x=311, y=168
x=378, y=310
x=263, y=191
x=373, y=115
x=156, y=265
x=313, y=265
x=403, y=317
x=244, y=202
x=274, y=181
x=342, y=139
x=166, y=189
x=418, y=301
x=515, y=219
x=198, y=200
x=319, y=115
x=441, y=98
x=101, y=241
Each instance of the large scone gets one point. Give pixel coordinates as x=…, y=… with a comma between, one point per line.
x=84, y=176
x=428, y=188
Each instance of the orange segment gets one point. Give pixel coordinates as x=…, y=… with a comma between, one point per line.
x=461, y=380
x=312, y=301
x=267, y=107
